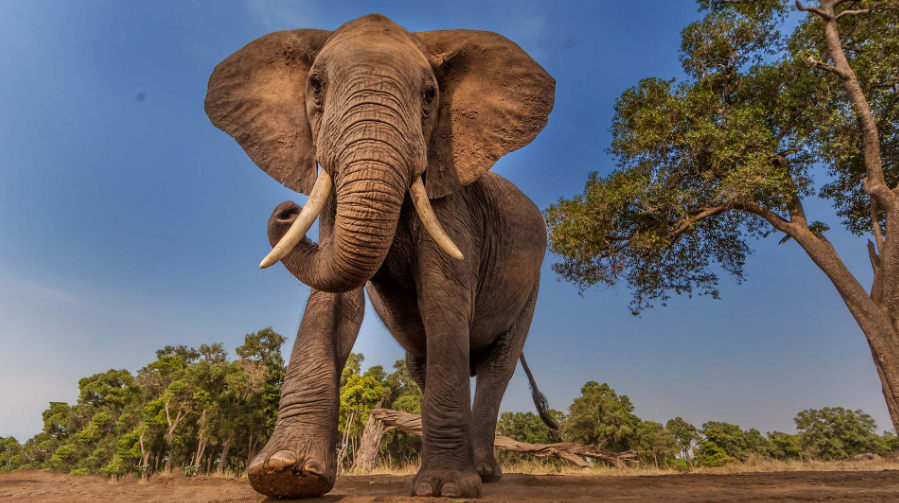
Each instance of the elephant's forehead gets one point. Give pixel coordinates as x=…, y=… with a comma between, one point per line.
x=376, y=38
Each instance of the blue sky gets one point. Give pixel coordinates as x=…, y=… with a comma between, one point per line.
x=129, y=222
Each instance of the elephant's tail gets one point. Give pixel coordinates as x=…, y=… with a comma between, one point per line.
x=539, y=400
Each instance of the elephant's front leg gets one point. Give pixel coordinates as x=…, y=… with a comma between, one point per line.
x=447, y=465
x=299, y=459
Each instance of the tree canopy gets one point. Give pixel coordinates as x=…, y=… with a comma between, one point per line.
x=731, y=152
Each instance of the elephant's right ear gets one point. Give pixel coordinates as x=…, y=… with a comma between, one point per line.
x=257, y=96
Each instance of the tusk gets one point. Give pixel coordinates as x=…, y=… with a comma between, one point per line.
x=314, y=205
x=426, y=213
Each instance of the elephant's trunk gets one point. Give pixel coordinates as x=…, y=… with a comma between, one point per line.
x=373, y=170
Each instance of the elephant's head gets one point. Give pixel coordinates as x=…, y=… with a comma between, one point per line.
x=377, y=107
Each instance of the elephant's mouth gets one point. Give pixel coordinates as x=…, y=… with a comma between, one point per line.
x=319, y=196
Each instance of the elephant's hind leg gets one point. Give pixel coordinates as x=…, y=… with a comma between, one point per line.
x=418, y=369
x=494, y=370
x=299, y=460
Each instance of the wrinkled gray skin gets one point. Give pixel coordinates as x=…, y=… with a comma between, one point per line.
x=372, y=108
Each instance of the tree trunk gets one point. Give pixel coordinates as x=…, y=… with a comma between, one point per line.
x=689, y=459
x=144, y=464
x=224, y=459
x=872, y=317
x=366, y=458
x=879, y=316
x=344, y=445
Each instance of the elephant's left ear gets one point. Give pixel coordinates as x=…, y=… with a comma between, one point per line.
x=494, y=99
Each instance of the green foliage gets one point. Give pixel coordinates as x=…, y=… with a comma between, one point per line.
x=725, y=443
x=64, y=453
x=602, y=417
x=838, y=433
x=360, y=392
x=113, y=388
x=120, y=424
x=683, y=432
x=784, y=446
x=526, y=427
x=705, y=165
x=655, y=443
x=184, y=399
x=890, y=442
x=11, y=458
x=359, y=395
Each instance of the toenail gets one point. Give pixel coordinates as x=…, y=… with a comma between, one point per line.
x=424, y=489
x=313, y=467
x=451, y=490
x=282, y=460
x=256, y=465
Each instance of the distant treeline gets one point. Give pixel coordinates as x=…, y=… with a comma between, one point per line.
x=198, y=411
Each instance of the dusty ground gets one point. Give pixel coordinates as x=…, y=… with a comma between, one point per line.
x=857, y=486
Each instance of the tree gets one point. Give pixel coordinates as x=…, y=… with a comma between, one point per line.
x=838, y=433
x=406, y=396
x=784, y=445
x=728, y=154
x=602, y=417
x=261, y=352
x=113, y=388
x=168, y=380
x=684, y=434
x=182, y=409
x=655, y=442
x=725, y=443
x=11, y=458
x=359, y=394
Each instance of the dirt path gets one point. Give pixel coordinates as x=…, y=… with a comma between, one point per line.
x=781, y=486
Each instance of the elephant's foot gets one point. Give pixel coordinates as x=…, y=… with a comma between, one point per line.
x=446, y=483
x=297, y=462
x=487, y=466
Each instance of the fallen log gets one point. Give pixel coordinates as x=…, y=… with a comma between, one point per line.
x=383, y=420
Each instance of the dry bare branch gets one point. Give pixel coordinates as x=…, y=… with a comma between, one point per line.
x=383, y=420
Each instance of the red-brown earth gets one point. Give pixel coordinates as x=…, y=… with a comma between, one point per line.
x=856, y=486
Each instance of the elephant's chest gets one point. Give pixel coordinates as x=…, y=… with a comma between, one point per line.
x=398, y=309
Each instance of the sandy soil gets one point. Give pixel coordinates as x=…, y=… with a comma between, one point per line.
x=781, y=486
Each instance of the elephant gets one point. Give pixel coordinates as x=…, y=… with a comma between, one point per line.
x=392, y=135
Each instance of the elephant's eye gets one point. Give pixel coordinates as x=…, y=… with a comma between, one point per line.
x=428, y=95
x=316, y=84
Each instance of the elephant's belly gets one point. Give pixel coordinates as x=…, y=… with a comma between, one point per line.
x=398, y=309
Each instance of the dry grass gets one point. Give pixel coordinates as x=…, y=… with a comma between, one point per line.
x=758, y=465
x=753, y=465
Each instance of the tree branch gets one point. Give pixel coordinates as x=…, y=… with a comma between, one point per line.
x=858, y=12
x=776, y=221
x=817, y=11
x=704, y=213
x=824, y=66
x=875, y=222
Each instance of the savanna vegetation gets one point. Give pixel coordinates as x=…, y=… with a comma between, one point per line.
x=771, y=113
x=200, y=412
